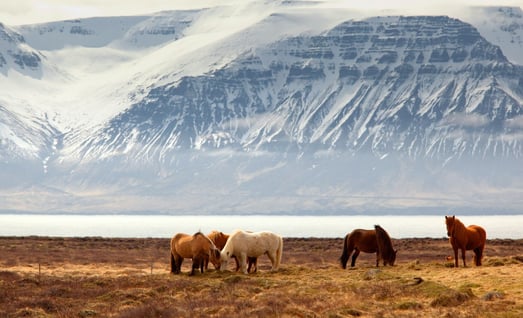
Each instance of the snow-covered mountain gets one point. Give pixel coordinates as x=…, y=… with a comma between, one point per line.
x=284, y=108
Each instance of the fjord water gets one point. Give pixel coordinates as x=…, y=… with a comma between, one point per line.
x=398, y=226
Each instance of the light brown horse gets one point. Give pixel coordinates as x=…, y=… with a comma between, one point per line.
x=472, y=237
x=198, y=247
x=220, y=239
x=368, y=241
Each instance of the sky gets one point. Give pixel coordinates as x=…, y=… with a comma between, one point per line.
x=35, y=11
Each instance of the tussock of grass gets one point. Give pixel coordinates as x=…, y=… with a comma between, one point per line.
x=410, y=305
x=450, y=298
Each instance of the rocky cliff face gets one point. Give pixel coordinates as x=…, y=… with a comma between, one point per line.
x=415, y=86
x=15, y=52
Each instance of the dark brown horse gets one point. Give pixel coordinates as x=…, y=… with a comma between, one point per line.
x=472, y=237
x=198, y=247
x=368, y=241
x=220, y=239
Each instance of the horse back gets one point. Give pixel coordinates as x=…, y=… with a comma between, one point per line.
x=363, y=240
x=181, y=245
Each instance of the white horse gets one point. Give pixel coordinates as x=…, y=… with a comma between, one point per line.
x=243, y=244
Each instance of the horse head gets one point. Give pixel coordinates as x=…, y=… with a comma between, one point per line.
x=215, y=257
x=391, y=258
x=449, y=221
x=218, y=238
x=224, y=258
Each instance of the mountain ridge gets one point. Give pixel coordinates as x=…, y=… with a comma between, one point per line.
x=381, y=113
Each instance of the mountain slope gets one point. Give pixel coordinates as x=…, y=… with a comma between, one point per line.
x=425, y=87
x=154, y=113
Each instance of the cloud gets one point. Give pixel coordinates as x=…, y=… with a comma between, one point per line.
x=515, y=123
x=466, y=120
x=36, y=11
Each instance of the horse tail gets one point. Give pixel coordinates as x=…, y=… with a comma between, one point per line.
x=479, y=250
x=173, y=263
x=279, y=252
x=344, y=258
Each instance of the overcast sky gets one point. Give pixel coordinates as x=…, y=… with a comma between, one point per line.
x=15, y=12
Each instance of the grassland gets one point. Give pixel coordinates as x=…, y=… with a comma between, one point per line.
x=98, y=277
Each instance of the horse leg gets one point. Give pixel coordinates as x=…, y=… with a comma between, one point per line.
x=173, y=264
x=242, y=259
x=237, y=263
x=179, y=261
x=176, y=264
x=249, y=264
x=354, y=257
x=272, y=257
x=478, y=254
x=253, y=262
x=203, y=262
x=463, y=250
x=456, y=264
x=378, y=259
x=195, y=264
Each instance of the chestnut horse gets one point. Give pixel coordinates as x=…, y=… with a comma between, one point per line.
x=220, y=239
x=243, y=244
x=472, y=237
x=368, y=241
x=198, y=247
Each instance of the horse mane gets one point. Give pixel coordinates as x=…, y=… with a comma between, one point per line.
x=384, y=243
x=214, y=249
x=199, y=233
x=458, y=223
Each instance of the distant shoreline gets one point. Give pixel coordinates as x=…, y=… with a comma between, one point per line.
x=328, y=226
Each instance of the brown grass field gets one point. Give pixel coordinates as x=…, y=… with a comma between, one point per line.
x=99, y=277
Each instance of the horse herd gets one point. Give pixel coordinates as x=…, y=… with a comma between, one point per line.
x=245, y=247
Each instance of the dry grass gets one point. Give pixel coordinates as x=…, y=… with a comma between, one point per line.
x=94, y=277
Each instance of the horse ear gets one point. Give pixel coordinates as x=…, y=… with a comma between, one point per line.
x=453, y=217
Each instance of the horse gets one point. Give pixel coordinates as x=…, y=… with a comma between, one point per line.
x=242, y=244
x=198, y=247
x=472, y=237
x=368, y=241
x=220, y=239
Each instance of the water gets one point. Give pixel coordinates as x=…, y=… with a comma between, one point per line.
x=402, y=226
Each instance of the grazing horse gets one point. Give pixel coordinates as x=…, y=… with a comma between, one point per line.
x=242, y=244
x=198, y=247
x=368, y=241
x=472, y=237
x=220, y=239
